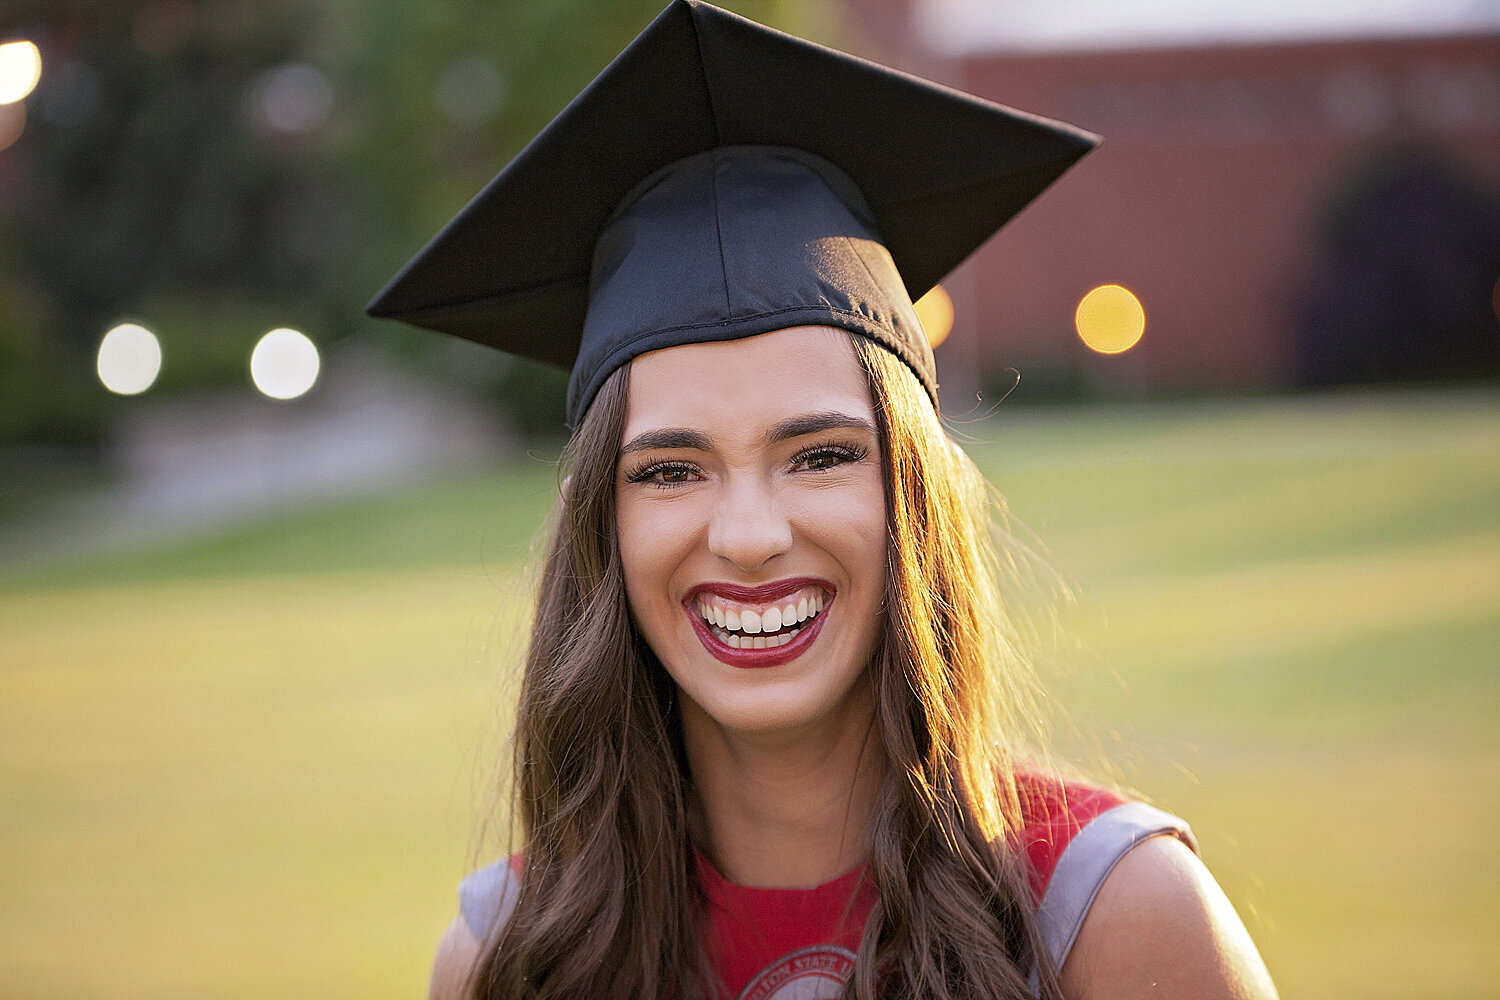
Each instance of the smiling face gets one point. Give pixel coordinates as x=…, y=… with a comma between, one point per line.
x=752, y=528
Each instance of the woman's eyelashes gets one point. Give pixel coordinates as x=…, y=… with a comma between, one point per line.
x=822, y=457
x=814, y=458
x=663, y=474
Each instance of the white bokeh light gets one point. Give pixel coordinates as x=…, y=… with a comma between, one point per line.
x=129, y=359
x=284, y=364
x=20, y=69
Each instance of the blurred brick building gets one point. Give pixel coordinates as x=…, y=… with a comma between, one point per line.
x=1293, y=201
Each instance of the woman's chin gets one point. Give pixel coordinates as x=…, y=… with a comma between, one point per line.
x=793, y=705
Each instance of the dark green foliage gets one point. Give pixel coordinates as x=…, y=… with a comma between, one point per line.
x=144, y=186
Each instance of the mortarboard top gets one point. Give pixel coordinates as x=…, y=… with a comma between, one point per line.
x=732, y=180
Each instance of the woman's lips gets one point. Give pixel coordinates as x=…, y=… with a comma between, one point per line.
x=759, y=626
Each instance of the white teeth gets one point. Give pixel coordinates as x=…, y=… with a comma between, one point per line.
x=756, y=623
x=736, y=641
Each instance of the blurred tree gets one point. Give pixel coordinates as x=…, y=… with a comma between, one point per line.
x=164, y=162
x=1403, y=286
x=214, y=168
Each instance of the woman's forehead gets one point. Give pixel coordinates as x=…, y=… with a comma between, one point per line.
x=747, y=384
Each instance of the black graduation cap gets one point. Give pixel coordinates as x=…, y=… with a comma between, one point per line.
x=721, y=179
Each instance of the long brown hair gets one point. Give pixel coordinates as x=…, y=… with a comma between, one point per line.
x=608, y=905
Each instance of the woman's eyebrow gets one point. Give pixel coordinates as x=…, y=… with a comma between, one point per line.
x=814, y=423
x=665, y=438
x=669, y=438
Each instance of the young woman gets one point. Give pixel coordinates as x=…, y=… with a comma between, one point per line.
x=767, y=739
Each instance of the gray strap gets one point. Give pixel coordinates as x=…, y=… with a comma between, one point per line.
x=486, y=897
x=1087, y=861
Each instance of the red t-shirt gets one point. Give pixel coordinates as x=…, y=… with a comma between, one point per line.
x=800, y=944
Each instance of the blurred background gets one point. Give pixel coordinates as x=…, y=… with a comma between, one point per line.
x=263, y=562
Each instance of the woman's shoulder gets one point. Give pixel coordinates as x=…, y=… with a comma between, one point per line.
x=1125, y=907
x=457, y=955
x=1073, y=836
x=1161, y=927
x=486, y=897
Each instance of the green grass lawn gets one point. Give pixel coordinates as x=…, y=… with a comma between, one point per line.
x=250, y=764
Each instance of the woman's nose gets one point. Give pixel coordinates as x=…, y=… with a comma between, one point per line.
x=748, y=527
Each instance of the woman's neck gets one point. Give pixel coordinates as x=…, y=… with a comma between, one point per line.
x=784, y=810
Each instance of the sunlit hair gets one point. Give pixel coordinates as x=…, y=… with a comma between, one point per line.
x=954, y=913
x=609, y=905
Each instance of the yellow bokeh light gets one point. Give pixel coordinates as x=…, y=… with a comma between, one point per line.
x=129, y=359
x=284, y=364
x=20, y=69
x=1110, y=319
x=935, y=312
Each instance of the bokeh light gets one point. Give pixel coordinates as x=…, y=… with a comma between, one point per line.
x=935, y=311
x=20, y=69
x=294, y=99
x=129, y=359
x=284, y=364
x=1110, y=319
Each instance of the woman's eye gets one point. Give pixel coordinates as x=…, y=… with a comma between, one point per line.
x=664, y=474
x=822, y=459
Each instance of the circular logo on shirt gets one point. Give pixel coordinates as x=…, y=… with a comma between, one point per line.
x=816, y=973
